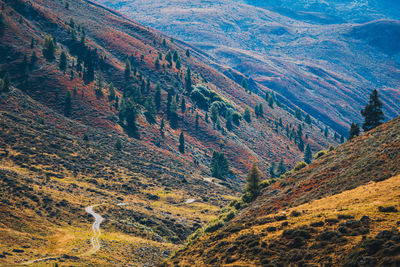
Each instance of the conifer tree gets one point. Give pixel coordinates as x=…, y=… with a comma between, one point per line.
x=301, y=144
x=253, y=182
x=187, y=52
x=307, y=119
x=272, y=170
x=33, y=59
x=49, y=48
x=281, y=167
x=197, y=121
x=131, y=126
x=308, y=154
x=157, y=63
x=372, y=113
x=63, y=61
x=219, y=165
x=178, y=64
x=173, y=121
x=181, y=143
x=168, y=58
x=6, y=82
x=128, y=70
x=150, y=110
x=162, y=127
x=118, y=145
x=157, y=97
x=244, y=84
x=188, y=80
x=68, y=104
x=354, y=131
x=175, y=56
x=247, y=115
x=183, y=105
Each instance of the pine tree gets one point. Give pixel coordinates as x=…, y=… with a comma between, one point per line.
x=228, y=124
x=181, y=143
x=272, y=170
x=247, y=115
x=131, y=126
x=253, y=182
x=168, y=58
x=128, y=70
x=298, y=114
x=326, y=132
x=244, y=84
x=219, y=165
x=206, y=117
x=281, y=167
x=111, y=95
x=157, y=63
x=33, y=59
x=168, y=106
x=162, y=127
x=183, y=105
x=372, y=113
x=173, y=121
x=157, y=97
x=150, y=110
x=197, y=121
x=178, y=64
x=6, y=82
x=187, y=52
x=175, y=56
x=307, y=119
x=308, y=154
x=354, y=131
x=301, y=145
x=118, y=145
x=214, y=114
x=68, y=104
x=49, y=48
x=188, y=83
x=63, y=61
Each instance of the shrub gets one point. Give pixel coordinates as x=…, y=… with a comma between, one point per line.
x=213, y=226
x=300, y=166
x=319, y=154
x=387, y=209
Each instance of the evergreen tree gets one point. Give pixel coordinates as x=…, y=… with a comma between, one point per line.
x=247, y=115
x=131, y=126
x=68, y=104
x=301, y=145
x=219, y=165
x=33, y=59
x=162, y=127
x=150, y=110
x=181, y=143
x=326, y=131
x=188, y=80
x=6, y=82
x=128, y=70
x=308, y=154
x=157, y=63
x=298, y=114
x=173, y=121
x=112, y=95
x=341, y=139
x=354, y=131
x=372, y=113
x=206, y=117
x=307, y=119
x=49, y=48
x=168, y=106
x=175, y=56
x=214, y=114
x=183, y=105
x=244, y=84
x=271, y=101
x=272, y=170
x=178, y=64
x=253, y=182
x=228, y=124
x=187, y=52
x=63, y=61
x=168, y=58
x=281, y=167
x=157, y=97
x=197, y=121
x=118, y=145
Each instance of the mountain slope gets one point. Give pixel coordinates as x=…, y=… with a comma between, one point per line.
x=322, y=68
x=66, y=144
x=317, y=215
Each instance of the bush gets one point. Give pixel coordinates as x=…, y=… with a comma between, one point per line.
x=300, y=166
x=320, y=154
x=387, y=209
x=213, y=226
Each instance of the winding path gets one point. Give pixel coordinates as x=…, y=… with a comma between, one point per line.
x=96, y=230
x=98, y=219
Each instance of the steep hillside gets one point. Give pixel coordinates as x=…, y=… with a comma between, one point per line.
x=324, y=57
x=340, y=210
x=81, y=131
x=76, y=29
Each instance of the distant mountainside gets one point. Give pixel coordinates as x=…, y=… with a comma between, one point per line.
x=341, y=210
x=322, y=56
x=97, y=109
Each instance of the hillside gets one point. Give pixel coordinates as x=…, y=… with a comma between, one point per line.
x=108, y=49
x=81, y=132
x=341, y=210
x=322, y=56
